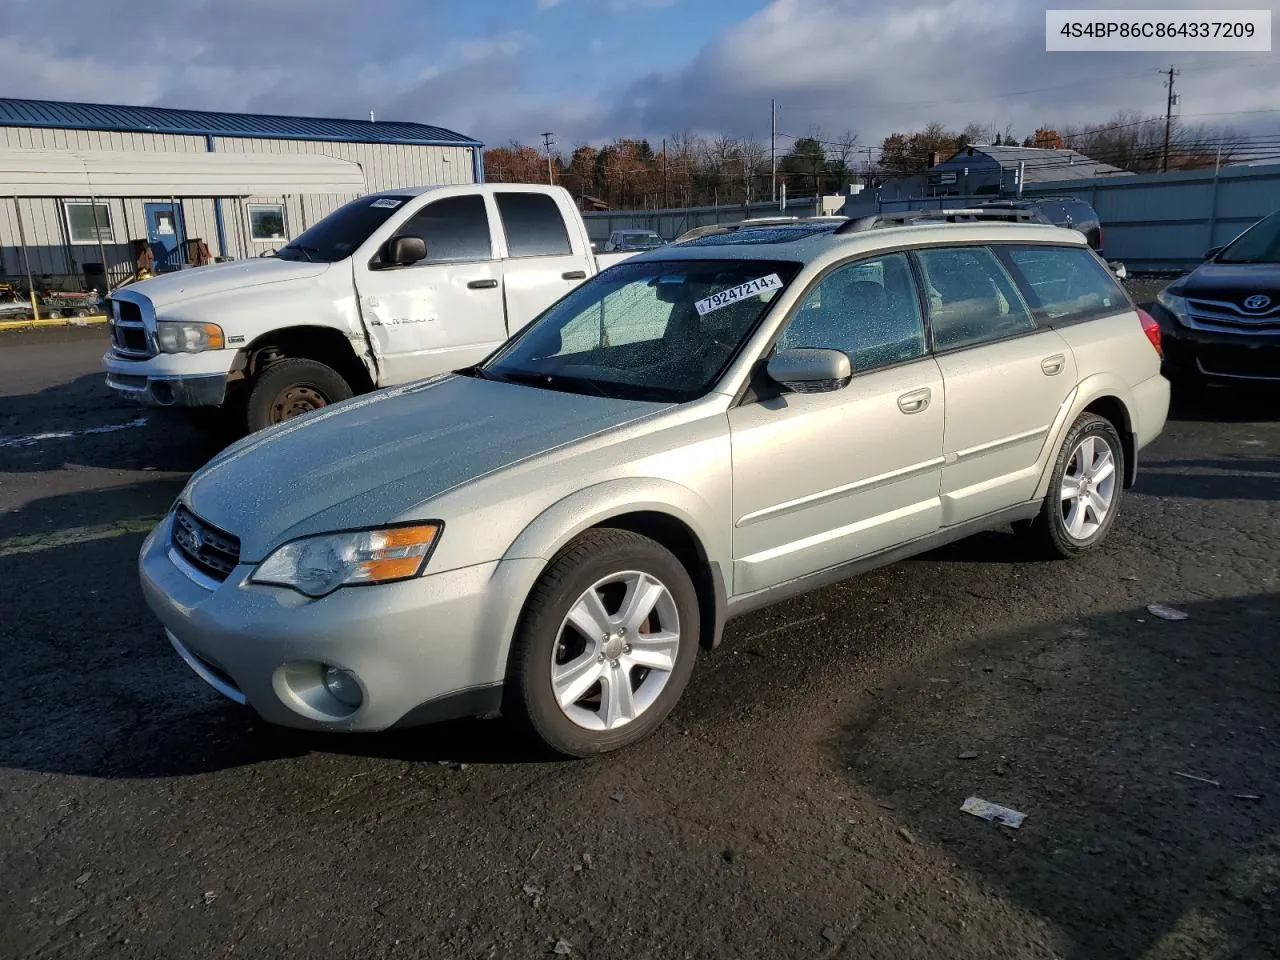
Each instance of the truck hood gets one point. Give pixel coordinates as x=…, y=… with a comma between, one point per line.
x=376, y=459
x=171, y=288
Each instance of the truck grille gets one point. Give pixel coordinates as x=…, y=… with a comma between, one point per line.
x=128, y=335
x=211, y=551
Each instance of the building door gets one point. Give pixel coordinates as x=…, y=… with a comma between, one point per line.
x=165, y=232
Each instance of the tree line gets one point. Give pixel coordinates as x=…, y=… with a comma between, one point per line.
x=687, y=170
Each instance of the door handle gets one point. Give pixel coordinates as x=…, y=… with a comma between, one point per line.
x=915, y=401
x=574, y=275
x=482, y=284
x=1052, y=366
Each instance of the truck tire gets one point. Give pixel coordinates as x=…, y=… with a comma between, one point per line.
x=289, y=388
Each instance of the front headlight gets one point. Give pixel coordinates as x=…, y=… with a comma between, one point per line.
x=183, y=336
x=1174, y=304
x=319, y=565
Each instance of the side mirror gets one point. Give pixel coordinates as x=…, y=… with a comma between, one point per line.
x=809, y=370
x=1119, y=269
x=402, y=251
x=1212, y=252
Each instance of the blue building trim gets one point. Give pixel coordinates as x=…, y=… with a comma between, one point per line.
x=477, y=162
x=218, y=223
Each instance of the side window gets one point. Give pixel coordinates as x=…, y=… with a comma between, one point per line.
x=455, y=228
x=1066, y=283
x=534, y=225
x=971, y=297
x=868, y=309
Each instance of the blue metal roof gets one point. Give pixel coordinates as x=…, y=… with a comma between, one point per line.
x=98, y=116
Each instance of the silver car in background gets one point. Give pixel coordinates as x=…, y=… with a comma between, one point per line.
x=690, y=435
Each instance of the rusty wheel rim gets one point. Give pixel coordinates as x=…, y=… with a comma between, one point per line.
x=295, y=401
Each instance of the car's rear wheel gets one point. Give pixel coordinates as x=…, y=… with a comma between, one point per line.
x=290, y=388
x=1084, y=491
x=606, y=644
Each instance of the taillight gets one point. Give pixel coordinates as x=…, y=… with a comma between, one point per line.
x=1151, y=329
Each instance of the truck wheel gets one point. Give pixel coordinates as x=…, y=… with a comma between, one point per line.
x=289, y=388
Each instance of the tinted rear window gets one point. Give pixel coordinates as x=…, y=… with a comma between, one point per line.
x=534, y=225
x=1064, y=284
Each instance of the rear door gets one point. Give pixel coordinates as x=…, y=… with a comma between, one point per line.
x=445, y=311
x=1004, y=377
x=544, y=259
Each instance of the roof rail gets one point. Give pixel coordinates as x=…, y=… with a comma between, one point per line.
x=966, y=215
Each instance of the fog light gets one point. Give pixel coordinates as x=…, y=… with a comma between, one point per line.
x=342, y=686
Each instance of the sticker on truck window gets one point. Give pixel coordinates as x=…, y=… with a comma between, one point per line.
x=743, y=290
x=386, y=203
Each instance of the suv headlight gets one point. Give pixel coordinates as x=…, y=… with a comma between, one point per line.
x=318, y=565
x=183, y=336
x=1174, y=304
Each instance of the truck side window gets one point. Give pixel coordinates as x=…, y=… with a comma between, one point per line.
x=455, y=228
x=534, y=225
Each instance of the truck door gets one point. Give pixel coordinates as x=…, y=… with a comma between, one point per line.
x=444, y=312
x=542, y=263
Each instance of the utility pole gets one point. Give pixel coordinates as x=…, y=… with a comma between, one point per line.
x=867, y=151
x=547, y=141
x=665, y=203
x=773, y=150
x=1168, y=117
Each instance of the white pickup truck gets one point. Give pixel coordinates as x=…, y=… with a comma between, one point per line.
x=392, y=287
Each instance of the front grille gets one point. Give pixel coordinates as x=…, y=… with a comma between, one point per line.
x=211, y=551
x=128, y=335
x=1225, y=315
x=1239, y=362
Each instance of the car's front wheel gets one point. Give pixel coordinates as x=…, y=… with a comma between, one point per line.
x=1084, y=491
x=605, y=646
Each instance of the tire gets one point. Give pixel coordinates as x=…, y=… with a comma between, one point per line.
x=1059, y=531
x=292, y=387
x=603, y=563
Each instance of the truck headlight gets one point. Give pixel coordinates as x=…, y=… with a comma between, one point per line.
x=1174, y=304
x=318, y=565
x=183, y=336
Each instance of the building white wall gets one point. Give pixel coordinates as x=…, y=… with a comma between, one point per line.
x=385, y=166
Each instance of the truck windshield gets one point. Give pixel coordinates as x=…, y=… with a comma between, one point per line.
x=653, y=330
x=339, y=234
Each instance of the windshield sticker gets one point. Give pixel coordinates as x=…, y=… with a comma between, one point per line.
x=386, y=203
x=743, y=290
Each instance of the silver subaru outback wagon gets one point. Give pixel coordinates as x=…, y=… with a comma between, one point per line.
x=690, y=435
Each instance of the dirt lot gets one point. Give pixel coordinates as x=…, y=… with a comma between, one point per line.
x=804, y=800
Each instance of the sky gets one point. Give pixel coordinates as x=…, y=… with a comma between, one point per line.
x=593, y=70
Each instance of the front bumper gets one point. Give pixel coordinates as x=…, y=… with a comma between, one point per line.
x=421, y=650
x=1217, y=355
x=170, y=380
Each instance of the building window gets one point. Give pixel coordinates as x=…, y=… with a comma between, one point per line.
x=266, y=222
x=88, y=222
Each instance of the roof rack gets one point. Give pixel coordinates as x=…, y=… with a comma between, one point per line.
x=966, y=215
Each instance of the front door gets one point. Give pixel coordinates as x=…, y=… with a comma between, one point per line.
x=542, y=264
x=444, y=312
x=164, y=232
x=1005, y=381
x=823, y=478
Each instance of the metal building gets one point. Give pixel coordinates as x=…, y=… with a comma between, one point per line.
x=81, y=184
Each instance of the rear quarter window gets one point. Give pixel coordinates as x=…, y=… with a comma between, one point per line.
x=1065, y=284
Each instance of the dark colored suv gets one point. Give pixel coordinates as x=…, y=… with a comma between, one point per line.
x=1221, y=322
x=1068, y=212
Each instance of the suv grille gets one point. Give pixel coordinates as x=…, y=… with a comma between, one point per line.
x=208, y=549
x=128, y=336
x=1230, y=316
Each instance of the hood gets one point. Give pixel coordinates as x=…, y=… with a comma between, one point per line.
x=1231, y=282
x=374, y=459
x=170, y=288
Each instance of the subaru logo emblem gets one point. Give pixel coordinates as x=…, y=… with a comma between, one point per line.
x=1257, y=302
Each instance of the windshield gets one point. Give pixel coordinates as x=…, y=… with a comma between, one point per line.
x=1259, y=244
x=642, y=241
x=654, y=330
x=338, y=235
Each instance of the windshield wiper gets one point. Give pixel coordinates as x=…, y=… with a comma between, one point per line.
x=302, y=249
x=551, y=381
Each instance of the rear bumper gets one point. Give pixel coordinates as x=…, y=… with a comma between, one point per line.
x=155, y=382
x=1217, y=356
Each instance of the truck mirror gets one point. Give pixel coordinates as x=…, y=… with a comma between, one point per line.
x=402, y=251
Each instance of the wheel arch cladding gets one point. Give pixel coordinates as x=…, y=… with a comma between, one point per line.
x=326, y=345
x=1112, y=408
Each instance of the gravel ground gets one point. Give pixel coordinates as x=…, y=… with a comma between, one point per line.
x=803, y=800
